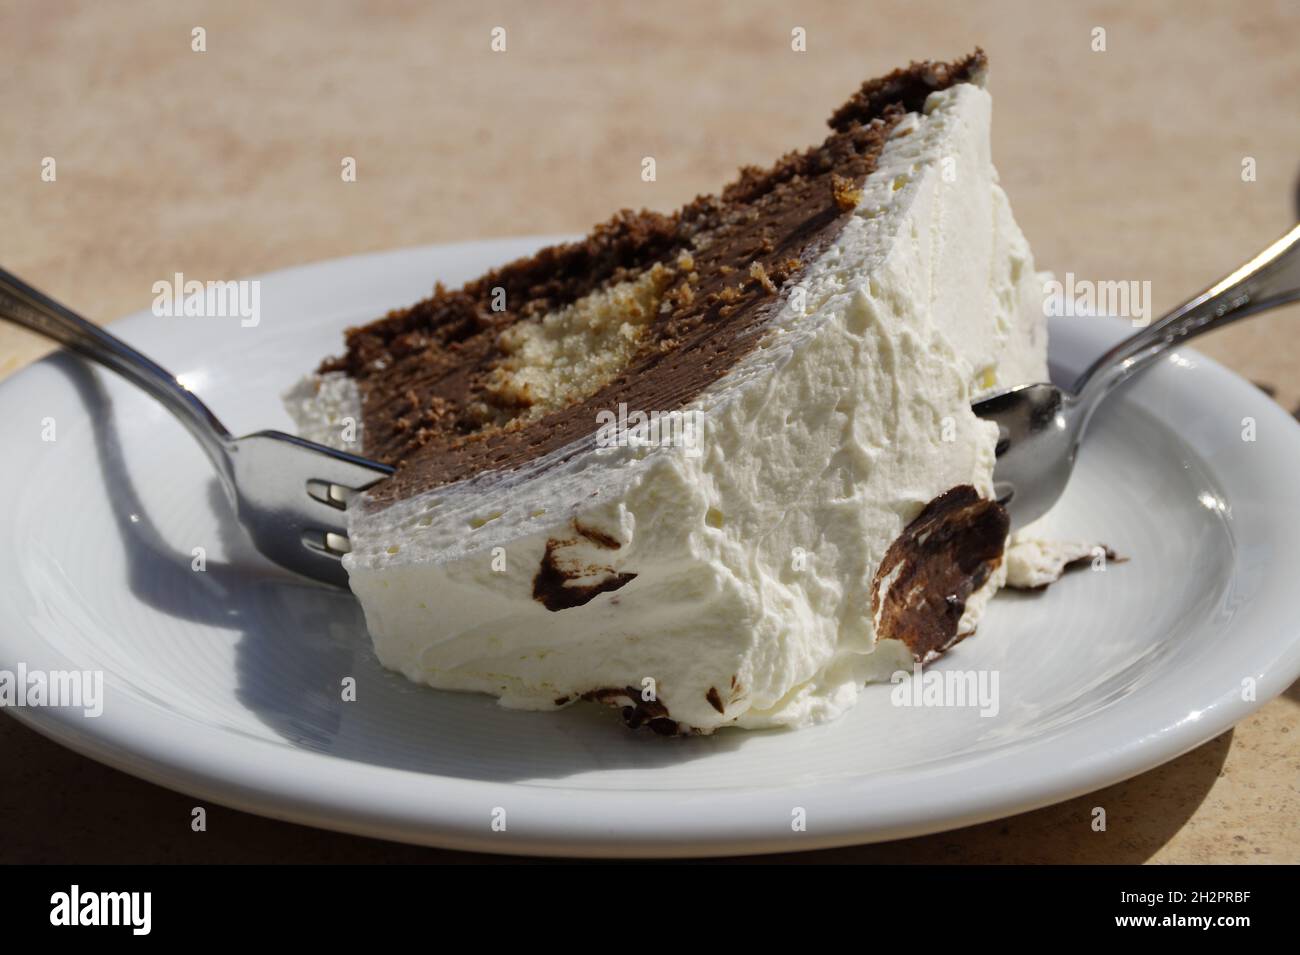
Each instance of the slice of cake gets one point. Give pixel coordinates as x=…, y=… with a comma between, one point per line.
x=713, y=468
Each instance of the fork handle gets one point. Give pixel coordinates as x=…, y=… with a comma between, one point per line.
x=36, y=311
x=1269, y=280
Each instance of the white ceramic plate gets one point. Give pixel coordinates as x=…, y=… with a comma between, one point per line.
x=226, y=683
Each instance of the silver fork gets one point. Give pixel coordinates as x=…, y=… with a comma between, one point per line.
x=289, y=494
x=1040, y=426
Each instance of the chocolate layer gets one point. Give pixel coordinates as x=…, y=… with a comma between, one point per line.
x=422, y=370
x=942, y=557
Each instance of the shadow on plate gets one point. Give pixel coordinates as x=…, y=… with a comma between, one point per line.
x=299, y=640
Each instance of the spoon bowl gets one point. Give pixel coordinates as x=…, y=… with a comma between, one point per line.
x=1035, y=420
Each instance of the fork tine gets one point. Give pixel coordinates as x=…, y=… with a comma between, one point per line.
x=292, y=497
x=323, y=542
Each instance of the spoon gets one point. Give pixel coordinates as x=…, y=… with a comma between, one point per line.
x=1040, y=426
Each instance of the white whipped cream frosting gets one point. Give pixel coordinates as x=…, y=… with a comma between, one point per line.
x=1033, y=562
x=754, y=559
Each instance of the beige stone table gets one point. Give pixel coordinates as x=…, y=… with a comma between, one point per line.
x=1124, y=163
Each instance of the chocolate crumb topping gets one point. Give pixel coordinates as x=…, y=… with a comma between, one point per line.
x=948, y=552
x=845, y=192
x=908, y=87
x=423, y=371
